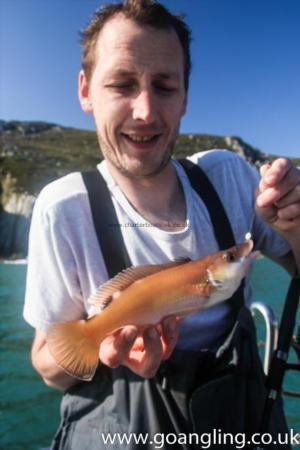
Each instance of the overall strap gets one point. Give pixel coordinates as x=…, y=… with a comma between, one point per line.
x=206, y=191
x=107, y=228
x=221, y=225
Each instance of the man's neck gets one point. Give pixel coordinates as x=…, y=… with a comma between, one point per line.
x=159, y=198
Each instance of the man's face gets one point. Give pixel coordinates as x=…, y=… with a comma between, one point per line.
x=136, y=94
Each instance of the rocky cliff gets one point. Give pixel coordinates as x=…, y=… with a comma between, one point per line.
x=34, y=153
x=15, y=214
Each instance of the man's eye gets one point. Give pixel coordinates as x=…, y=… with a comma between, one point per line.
x=121, y=86
x=166, y=89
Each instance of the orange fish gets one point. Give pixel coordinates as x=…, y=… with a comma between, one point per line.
x=143, y=296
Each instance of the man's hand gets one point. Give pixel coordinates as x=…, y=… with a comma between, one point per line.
x=142, y=353
x=278, y=197
x=278, y=201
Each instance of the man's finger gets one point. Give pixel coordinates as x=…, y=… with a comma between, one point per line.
x=148, y=363
x=170, y=331
x=114, y=349
x=268, y=214
x=263, y=170
x=291, y=198
x=290, y=212
x=275, y=193
x=276, y=171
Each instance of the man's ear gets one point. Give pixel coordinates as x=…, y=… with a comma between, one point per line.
x=83, y=93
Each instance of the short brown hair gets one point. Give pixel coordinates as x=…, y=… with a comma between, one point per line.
x=143, y=12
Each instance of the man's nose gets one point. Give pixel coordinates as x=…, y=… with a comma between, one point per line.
x=143, y=107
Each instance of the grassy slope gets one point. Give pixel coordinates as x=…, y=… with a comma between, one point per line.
x=36, y=156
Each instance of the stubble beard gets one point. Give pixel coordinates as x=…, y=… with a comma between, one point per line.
x=138, y=170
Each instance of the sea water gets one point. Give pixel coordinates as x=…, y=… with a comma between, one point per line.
x=29, y=410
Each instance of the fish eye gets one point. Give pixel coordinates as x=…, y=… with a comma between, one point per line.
x=229, y=257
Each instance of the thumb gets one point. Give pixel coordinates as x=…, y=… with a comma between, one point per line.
x=264, y=168
x=262, y=184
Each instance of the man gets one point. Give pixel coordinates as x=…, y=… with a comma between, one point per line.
x=134, y=81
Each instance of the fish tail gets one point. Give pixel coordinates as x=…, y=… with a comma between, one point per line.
x=72, y=349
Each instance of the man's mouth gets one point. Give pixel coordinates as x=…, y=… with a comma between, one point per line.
x=141, y=141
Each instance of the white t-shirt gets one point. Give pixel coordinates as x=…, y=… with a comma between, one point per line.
x=65, y=264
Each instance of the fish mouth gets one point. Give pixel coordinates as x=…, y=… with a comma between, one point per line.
x=245, y=248
x=246, y=262
x=241, y=252
x=245, y=255
x=246, y=251
x=232, y=265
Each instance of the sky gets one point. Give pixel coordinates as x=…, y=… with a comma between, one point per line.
x=245, y=79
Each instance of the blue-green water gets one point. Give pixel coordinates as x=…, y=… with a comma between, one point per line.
x=29, y=411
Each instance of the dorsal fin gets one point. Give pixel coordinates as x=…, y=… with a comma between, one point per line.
x=107, y=292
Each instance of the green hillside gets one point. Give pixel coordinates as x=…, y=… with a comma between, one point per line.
x=35, y=153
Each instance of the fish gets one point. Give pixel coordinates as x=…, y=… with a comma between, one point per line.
x=143, y=296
